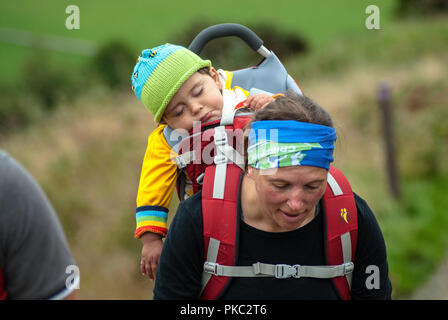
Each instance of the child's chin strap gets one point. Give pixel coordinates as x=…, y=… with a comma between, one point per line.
x=224, y=154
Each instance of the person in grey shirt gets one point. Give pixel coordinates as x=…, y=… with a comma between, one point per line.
x=35, y=259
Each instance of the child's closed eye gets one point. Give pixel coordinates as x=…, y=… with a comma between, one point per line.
x=197, y=91
x=179, y=111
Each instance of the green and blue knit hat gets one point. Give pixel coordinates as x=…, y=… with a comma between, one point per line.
x=160, y=72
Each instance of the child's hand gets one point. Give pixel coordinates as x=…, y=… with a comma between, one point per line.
x=258, y=101
x=152, y=248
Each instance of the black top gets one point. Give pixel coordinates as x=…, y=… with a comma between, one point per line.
x=180, y=267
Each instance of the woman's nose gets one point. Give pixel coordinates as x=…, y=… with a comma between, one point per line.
x=295, y=201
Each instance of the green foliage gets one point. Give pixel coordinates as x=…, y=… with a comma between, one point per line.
x=16, y=110
x=71, y=206
x=113, y=64
x=415, y=232
x=415, y=225
x=43, y=87
x=421, y=7
x=423, y=134
x=396, y=46
x=46, y=82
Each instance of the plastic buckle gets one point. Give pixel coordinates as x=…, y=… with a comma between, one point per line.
x=283, y=271
x=200, y=179
x=348, y=267
x=220, y=138
x=180, y=161
x=257, y=268
x=211, y=267
x=220, y=159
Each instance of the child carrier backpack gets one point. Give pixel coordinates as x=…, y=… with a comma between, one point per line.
x=211, y=157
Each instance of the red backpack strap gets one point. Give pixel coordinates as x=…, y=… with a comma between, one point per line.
x=219, y=227
x=3, y=294
x=341, y=226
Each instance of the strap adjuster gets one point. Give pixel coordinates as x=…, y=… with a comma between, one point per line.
x=348, y=267
x=184, y=159
x=283, y=271
x=220, y=137
x=200, y=179
x=181, y=163
x=211, y=267
x=220, y=159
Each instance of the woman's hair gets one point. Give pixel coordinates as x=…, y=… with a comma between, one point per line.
x=293, y=106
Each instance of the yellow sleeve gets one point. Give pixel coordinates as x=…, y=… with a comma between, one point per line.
x=157, y=182
x=228, y=84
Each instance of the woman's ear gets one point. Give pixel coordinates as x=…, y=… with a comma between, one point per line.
x=250, y=172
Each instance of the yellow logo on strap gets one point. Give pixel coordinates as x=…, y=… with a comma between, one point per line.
x=345, y=216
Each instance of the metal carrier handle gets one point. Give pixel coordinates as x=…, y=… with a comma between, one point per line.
x=227, y=30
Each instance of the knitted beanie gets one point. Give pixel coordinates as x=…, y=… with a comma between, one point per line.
x=160, y=72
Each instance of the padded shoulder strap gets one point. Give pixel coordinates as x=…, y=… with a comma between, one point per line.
x=3, y=294
x=341, y=225
x=219, y=227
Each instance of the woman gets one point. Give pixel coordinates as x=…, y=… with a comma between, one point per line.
x=281, y=217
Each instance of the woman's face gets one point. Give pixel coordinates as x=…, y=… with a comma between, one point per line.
x=288, y=196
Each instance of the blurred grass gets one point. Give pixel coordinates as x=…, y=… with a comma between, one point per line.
x=415, y=231
x=141, y=24
x=396, y=46
x=87, y=155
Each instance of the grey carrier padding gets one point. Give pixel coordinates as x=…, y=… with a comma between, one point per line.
x=270, y=75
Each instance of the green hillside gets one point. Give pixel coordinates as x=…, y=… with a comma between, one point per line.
x=142, y=24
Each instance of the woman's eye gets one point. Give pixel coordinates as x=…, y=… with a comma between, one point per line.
x=280, y=186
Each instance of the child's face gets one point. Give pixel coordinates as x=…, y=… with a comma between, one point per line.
x=198, y=99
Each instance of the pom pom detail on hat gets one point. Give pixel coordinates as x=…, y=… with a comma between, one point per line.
x=160, y=72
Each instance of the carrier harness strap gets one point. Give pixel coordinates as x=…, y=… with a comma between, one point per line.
x=3, y=294
x=342, y=227
x=212, y=254
x=221, y=237
x=219, y=227
x=279, y=271
x=219, y=202
x=224, y=154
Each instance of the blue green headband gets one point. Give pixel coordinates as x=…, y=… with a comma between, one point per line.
x=283, y=143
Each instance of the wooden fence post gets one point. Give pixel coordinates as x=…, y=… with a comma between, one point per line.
x=387, y=117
